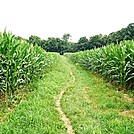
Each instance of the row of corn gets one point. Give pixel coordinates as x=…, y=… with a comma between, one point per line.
x=20, y=62
x=113, y=62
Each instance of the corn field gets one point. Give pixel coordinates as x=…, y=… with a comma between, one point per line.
x=113, y=62
x=19, y=63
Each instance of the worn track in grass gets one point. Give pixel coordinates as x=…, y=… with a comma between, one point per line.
x=63, y=117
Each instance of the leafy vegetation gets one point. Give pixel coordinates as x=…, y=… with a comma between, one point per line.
x=113, y=62
x=20, y=62
x=64, y=45
x=100, y=40
x=52, y=44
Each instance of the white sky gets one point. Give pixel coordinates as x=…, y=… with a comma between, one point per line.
x=53, y=18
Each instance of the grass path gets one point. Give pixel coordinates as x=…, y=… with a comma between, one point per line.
x=59, y=109
x=70, y=100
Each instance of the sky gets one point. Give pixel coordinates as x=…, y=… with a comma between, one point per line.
x=53, y=18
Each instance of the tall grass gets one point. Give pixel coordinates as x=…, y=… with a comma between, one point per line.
x=19, y=63
x=114, y=62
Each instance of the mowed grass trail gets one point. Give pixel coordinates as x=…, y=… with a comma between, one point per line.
x=90, y=104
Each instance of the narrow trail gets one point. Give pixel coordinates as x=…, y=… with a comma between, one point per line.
x=63, y=117
x=85, y=95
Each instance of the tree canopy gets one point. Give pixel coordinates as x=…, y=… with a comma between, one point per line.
x=62, y=45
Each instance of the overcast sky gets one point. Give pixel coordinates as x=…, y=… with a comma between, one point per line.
x=53, y=18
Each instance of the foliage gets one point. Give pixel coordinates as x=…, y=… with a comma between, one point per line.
x=20, y=62
x=54, y=45
x=35, y=40
x=97, y=41
x=66, y=37
x=64, y=45
x=114, y=62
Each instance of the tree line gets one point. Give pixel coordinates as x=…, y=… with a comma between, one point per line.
x=62, y=45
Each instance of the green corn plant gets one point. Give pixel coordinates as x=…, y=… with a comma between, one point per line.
x=19, y=63
x=114, y=62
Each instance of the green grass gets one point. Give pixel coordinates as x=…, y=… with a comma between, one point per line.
x=36, y=114
x=91, y=104
x=100, y=113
